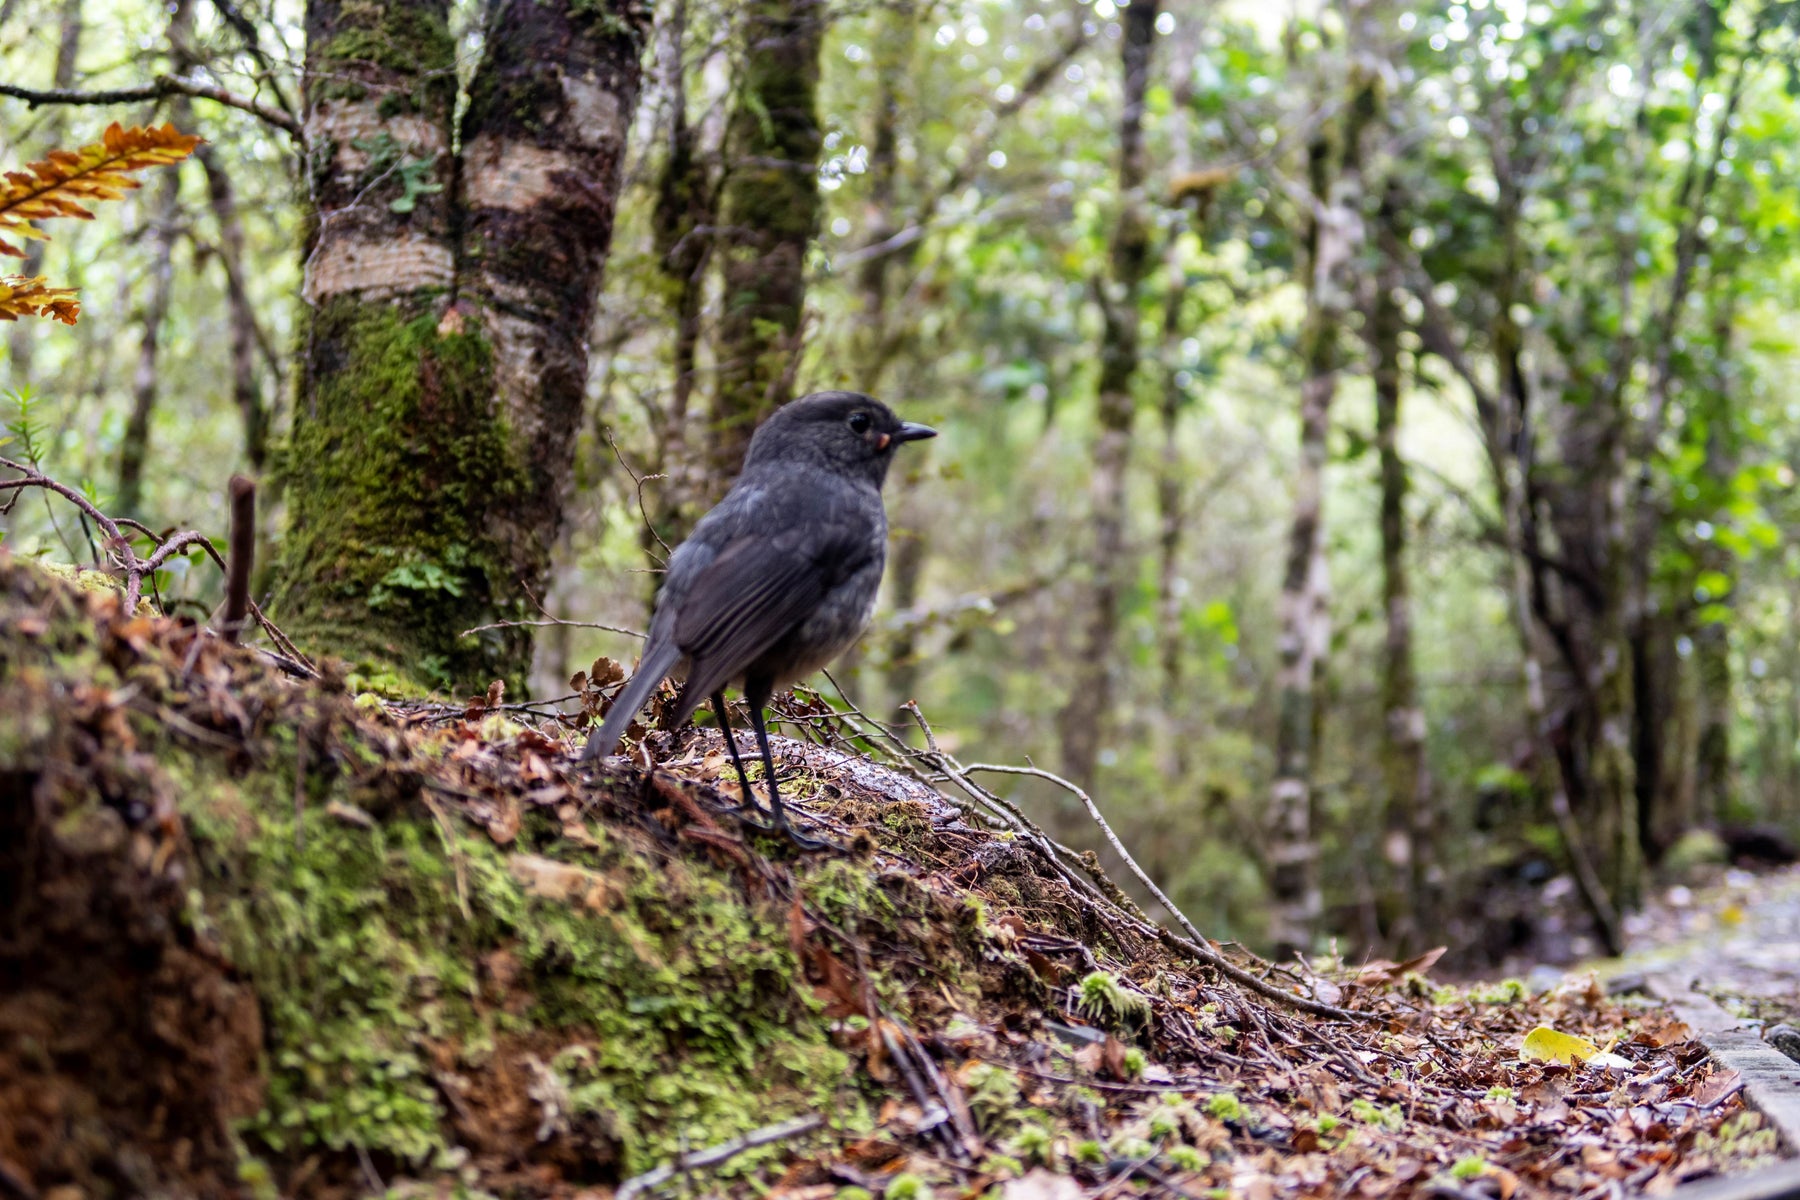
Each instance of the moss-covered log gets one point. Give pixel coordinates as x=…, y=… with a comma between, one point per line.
x=258, y=935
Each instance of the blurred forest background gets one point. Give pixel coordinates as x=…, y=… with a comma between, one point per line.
x=1368, y=430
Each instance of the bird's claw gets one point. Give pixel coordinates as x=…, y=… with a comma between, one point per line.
x=782, y=826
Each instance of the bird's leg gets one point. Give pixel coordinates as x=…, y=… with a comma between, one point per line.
x=756, y=693
x=749, y=798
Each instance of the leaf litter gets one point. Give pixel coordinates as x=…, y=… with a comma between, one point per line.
x=1010, y=1028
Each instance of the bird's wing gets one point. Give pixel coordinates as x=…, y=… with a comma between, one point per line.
x=747, y=598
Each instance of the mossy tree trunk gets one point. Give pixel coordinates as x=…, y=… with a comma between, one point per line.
x=1082, y=722
x=446, y=355
x=543, y=143
x=1714, y=784
x=685, y=217
x=1411, y=832
x=770, y=208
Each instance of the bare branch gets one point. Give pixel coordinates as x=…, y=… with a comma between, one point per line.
x=1198, y=946
x=136, y=570
x=553, y=621
x=162, y=87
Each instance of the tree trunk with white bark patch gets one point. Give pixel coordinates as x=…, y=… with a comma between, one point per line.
x=446, y=357
x=1334, y=239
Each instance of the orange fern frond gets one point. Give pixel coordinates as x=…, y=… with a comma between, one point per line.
x=25, y=297
x=68, y=180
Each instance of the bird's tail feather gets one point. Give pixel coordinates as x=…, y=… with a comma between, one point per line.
x=656, y=665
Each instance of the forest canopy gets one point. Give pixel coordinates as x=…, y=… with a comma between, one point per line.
x=1366, y=452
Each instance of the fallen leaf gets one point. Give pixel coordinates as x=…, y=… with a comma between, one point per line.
x=1716, y=1088
x=550, y=880
x=1545, y=1044
x=349, y=814
x=1383, y=971
x=1112, y=1055
x=1663, y=1031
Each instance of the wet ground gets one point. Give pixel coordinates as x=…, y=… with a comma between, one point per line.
x=1735, y=938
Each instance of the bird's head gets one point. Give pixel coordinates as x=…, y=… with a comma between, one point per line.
x=847, y=431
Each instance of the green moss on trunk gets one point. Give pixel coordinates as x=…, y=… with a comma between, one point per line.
x=771, y=210
x=391, y=475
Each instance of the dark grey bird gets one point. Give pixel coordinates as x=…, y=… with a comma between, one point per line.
x=780, y=577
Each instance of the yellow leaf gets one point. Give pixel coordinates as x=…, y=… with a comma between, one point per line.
x=1545, y=1044
x=1731, y=916
x=25, y=297
x=66, y=181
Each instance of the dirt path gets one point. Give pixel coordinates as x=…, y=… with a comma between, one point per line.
x=1726, y=958
x=1737, y=942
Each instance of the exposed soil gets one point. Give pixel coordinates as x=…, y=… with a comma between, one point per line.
x=127, y=1048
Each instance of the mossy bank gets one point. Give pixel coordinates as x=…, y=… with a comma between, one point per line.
x=419, y=963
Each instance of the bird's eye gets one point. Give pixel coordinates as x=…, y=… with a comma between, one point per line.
x=859, y=422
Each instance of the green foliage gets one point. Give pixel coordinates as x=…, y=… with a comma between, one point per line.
x=1035, y=1142
x=385, y=156
x=993, y=1097
x=1382, y=1116
x=26, y=425
x=906, y=1186
x=1507, y=991
x=1186, y=1158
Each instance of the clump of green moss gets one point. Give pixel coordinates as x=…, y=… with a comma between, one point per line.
x=1471, y=1166
x=1103, y=996
x=1507, y=991
x=676, y=997
x=1227, y=1107
x=391, y=477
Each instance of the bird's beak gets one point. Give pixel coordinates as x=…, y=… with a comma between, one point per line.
x=909, y=432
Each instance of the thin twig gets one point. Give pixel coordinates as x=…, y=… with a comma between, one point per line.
x=1198, y=945
x=639, y=481
x=552, y=621
x=714, y=1155
x=136, y=570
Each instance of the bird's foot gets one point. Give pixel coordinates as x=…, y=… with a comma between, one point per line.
x=802, y=842
x=783, y=826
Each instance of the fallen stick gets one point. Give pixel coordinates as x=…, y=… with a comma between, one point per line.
x=714, y=1155
x=240, y=557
